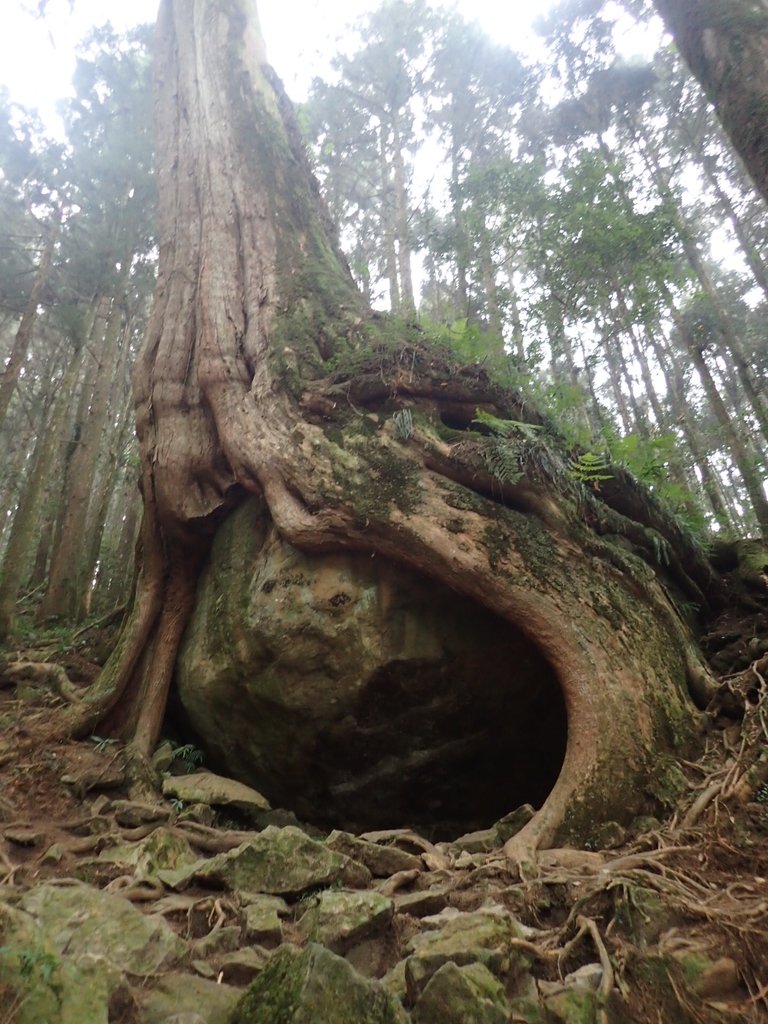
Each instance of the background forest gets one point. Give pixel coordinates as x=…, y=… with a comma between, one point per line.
x=580, y=224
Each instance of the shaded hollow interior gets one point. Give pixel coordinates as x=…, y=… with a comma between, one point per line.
x=360, y=694
x=442, y=745
x=447, y=747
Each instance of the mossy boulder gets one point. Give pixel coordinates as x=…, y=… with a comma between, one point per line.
x=67, y=949
x=314, y=985
x=76, y=920
x=360, y=694
x=339, y=920
x=462, y=995
x=484, y=937
x=162, y=850
x=277, y=861
x=380, y=859
x=186, y=994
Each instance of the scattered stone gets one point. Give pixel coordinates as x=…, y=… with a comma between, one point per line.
x=278, y=861
x=51, y=987
x=262, y=920
x=586, y=976
x=220, y=940
x=645, y=823
x=242, y=966
x=465, y=860
x=207, y=788
x=339, y=920
x=381, y=860
x=577, y=1006
x=203, y=814
x=77, y=920
x=189, y=997
x=312, y=986
x=455, y=995
x=420, y=904
x=482, y=936
x=23, y=836
x=204, y=969
x=163, y=757
x=355, y=875
x=161, y=850
x=109, y=775
x=394, y=982
x=482, y=841
x=131, y=814
x=53, y=855
x=280, y=817
x=512, y=823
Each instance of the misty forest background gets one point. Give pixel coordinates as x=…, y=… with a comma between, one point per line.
x=579, y=224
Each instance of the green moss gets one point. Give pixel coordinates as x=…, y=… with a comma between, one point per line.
x=312, y=986
x=693, y=967
x=578, y=1006
x=668, y=784
x=496, y=541
x=390, y=481
x=274, y=996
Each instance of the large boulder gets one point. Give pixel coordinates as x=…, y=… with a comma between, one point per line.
x=362, y=695
x=313, y=985
x=65, y=951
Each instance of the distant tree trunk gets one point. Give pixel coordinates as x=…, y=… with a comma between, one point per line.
x=26, y=521
x=731, y=342
x=751, y=255
x=114, y=584
x=389, y=229
x=725, y=44
x=753, y=481
x=681, y=415
x=23, y=338
x=108, y=475
x=518, y=337
x=63, y=597
x=236, y=394
x=401, y=220
x=491, y=291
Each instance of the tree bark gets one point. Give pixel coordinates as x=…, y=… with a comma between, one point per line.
x=235, y=396
x=725, y=44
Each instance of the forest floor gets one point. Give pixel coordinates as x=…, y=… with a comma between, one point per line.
x=675, y=913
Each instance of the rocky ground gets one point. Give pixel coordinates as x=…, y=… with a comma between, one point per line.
x=205, y=906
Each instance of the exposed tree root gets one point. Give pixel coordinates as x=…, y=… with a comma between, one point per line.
x=37, y=673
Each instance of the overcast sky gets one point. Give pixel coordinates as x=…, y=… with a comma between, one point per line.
x=37, y=57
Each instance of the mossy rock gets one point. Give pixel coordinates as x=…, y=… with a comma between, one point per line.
x=314, y=985
x=339, y=920
x=482, y=937
x=462, y=995
x=578, y=1006
x=277, y=861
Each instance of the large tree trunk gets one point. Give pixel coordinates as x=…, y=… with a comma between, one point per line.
x=235, y=397
x=725, y=44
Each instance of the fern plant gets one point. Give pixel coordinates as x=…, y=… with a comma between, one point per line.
x=591, y=469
